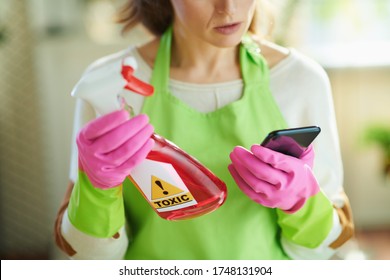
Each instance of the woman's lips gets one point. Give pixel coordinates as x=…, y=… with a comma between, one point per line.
x=228, y=28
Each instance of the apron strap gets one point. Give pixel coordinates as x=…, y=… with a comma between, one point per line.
x=254, y=68
x=160, y=75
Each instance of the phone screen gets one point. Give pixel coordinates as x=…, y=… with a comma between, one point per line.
x=291, y=141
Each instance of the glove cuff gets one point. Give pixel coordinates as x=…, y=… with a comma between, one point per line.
x=96, y=212
x=311, y=224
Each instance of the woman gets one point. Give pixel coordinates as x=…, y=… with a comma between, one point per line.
x=216, y=97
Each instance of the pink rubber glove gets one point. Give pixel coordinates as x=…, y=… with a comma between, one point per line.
x=273, y=179
x=112, y=145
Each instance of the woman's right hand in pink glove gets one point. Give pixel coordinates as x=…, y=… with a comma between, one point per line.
x=110, y=146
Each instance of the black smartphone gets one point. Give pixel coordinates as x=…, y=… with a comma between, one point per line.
x=291, y=141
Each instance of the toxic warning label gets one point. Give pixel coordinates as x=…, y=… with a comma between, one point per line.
x=162, y=186
x=162, y=189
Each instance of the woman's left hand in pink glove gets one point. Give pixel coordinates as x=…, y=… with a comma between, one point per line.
x=273, y=179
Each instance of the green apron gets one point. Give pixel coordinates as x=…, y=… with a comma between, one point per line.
x=239, y=229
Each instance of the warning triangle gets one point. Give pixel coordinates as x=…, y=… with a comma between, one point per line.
x=161, y=189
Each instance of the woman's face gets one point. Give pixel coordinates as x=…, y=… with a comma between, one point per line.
x=218, y=22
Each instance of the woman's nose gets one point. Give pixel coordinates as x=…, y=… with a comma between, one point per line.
x=227, y=7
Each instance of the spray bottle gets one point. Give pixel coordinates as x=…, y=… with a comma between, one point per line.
x=175, y=184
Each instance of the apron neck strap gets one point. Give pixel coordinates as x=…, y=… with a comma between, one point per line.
x=254, y=68
x=253, y=65
x=161, y=69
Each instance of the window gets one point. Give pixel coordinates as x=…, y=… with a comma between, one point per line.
x=338, y=32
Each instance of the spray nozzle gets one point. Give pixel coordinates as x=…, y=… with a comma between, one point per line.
x=134, y=84
x=104, y=84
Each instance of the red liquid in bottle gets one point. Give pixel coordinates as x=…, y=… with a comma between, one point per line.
x=206, y=188
x=203, y=191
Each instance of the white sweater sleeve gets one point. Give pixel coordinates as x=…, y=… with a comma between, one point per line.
x=303, y=92
x=91, y=248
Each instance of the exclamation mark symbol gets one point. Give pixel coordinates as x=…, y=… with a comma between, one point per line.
x=158, y=183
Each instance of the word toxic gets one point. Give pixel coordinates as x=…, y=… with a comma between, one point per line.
x=165, y=194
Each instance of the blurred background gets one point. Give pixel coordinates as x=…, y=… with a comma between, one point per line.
x=45, y=45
